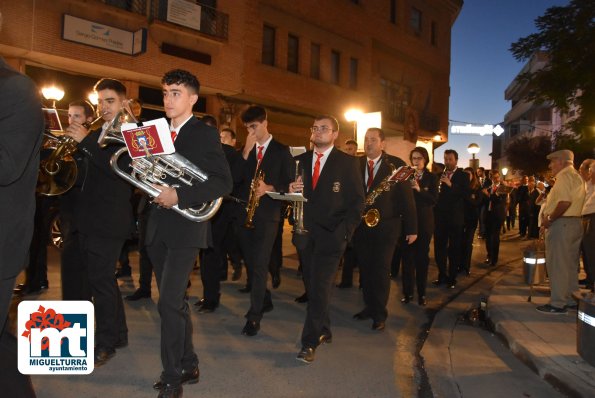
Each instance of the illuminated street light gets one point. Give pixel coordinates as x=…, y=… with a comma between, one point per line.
x=504, y=171
x=93, y=98
x=437, y=138
x=52, y=93
x=353, y=115
x=473, y=149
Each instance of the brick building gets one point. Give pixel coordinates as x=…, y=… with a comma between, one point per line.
x=298, y=58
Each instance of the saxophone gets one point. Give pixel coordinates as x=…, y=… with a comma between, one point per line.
x=372, y=216
x=252, y=198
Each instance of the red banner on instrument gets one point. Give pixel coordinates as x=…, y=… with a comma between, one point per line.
x=152, y=138
x=403, y=173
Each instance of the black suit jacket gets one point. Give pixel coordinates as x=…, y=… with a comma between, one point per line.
x=522, y=197
x=276, y=165
x=201, y=145
x=396, y=205
x=450, y=206
x=497, y=206
x=425, y=200
x=21, y=128
x=334, y=208
x=103, y=206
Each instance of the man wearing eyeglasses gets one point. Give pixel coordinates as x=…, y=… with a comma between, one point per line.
x=262, y=152
x=333, y=186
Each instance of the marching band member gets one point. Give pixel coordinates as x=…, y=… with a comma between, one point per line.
x=334, y=189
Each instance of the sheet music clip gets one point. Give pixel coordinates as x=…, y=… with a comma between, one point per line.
x=289, y=197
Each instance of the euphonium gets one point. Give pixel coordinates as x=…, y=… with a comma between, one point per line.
x=153, y=169
x=253, y=199
x=372, y=216
x=58, y=172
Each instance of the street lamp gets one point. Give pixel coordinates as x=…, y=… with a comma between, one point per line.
x=353, y=115
x=437, y=138
x=504, y=171
x=473, y=149
x=52, y=93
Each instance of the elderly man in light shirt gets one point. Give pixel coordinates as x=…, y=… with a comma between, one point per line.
x=563, y=231
x=588, y=214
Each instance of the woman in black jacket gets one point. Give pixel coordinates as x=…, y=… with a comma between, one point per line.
x=416, y=256
x=473, y=203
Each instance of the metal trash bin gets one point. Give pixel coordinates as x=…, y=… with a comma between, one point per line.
x=585, y=328
x=534, y=270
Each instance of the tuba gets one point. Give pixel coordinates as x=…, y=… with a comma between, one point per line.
x=58, y=172
x=153, y=169
x=253, y=200
x=372, y=216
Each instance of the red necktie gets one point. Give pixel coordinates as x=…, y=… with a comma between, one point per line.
x=316, y=173
x=173, y=135
x=260, y=155
x=370, y=173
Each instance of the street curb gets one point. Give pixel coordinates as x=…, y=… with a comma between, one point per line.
x=562, y=373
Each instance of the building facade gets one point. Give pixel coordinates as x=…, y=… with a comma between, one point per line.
x=297, y=58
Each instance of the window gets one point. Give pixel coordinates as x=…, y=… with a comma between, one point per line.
x=268, y=45
x=415, y=21
x=353, y=73
x=293, y=48
x=335, y=66
x=395, y=99
x=393, y=11
x=434, y=34
x=315, y=61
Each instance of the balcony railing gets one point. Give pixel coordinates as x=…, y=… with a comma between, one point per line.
x=135, y=6
x=212, y=22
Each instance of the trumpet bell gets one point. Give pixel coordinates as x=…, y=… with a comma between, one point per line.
x=56, y=177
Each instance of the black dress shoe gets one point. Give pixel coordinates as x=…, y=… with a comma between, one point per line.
x=123, y=342
x=200, y=302
x=138, y=294
x=170, y=391
x=486, y=261
x=362, y=316
x=437, y=282
x=123, y=274
x=422, y=300
x=245, y=289
x=102, y=355
x=237, y=274
x=451, y=284
x=325, y=339
x=251, y=328
x=406, y=299
x=378, y=325
x=188, y=377
x=302, y=299
x=344, y=285
x=306, y=355
x=276, y=280
x=207, y=307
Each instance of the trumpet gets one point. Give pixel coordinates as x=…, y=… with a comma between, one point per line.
x=253, y=200
x=58, y=172
x=298, y=209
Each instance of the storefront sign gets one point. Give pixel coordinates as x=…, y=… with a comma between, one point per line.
x=184, y=12
x=478, y=130
x=103, y=36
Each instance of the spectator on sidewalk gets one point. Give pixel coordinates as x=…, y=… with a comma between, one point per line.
x=563, y=231
x=588, y=215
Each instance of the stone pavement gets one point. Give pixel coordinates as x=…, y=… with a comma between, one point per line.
x=464, y=360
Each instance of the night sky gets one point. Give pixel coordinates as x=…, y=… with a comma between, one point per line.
x=482, y=67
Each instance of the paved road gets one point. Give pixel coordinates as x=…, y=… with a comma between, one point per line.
x=359, y=362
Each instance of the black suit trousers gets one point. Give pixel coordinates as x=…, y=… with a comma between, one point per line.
x=493, y=227
x=100, y=256
x=12, y=382
x=37, y=271
x=75, y=277
x=144, y=262
x=319, y=271
x=213, y=262
x=467, y=244
x=447, y=245
x=172, y=269
x=257, y=245
x=416, y=260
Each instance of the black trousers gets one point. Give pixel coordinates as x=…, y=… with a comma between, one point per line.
x=75, y=277
x=319, y=268
x=257, y=245
x=213, y=262
x=276, y=261
x=374, y=253
x=588, y=248
x=416, y=260
x=36, y=274
x=99, y=257
x=493, y=227
x=447, y=246
x=349, y=265
x=467, y=244
x=12, y=382
x=524, y=220
x=172, y=271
